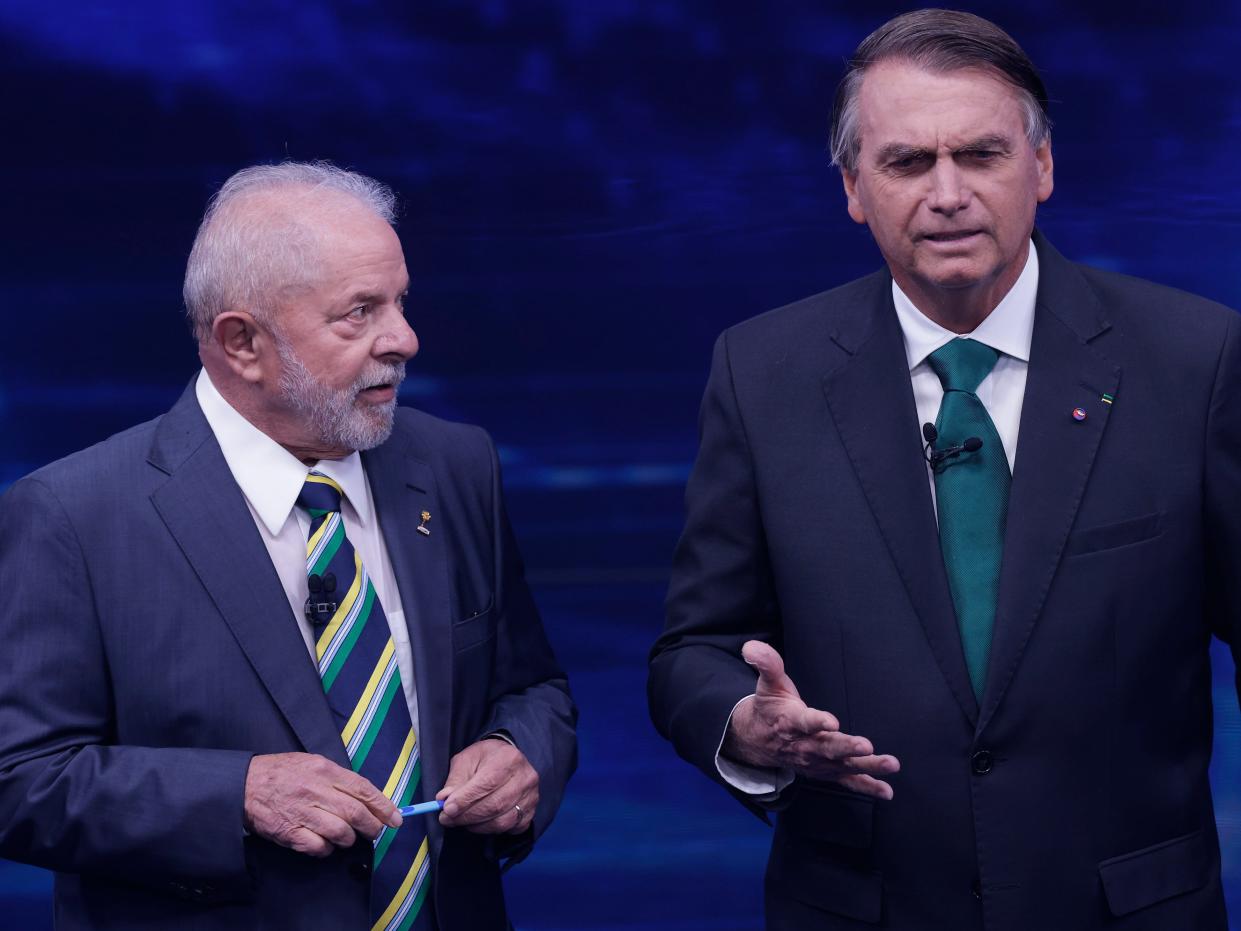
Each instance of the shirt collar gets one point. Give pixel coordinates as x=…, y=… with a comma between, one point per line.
x=1009, y=328
x=269, y=475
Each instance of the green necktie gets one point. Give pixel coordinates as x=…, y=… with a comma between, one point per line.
x=971, y=496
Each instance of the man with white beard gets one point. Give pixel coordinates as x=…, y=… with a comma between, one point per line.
x=247, y=633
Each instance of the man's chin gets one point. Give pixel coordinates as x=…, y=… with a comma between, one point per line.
x=378, y=420
x=376, y=412
x=958, y=273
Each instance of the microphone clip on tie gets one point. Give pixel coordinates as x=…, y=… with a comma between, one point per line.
x=938, y=458
x=319, y=609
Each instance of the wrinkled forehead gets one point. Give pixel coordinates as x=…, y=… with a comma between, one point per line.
x=902, y=103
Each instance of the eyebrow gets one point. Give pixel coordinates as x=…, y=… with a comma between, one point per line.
x=994, y=141
x=895, y=151
x=371, y=297
x=364, y=297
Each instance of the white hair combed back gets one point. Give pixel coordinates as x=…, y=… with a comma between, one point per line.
x=242, y=258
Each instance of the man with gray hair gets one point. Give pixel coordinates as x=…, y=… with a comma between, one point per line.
x=936, y=603
x=248, y=637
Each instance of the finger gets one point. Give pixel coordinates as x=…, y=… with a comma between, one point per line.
x=790, y=722
x=513, y=820
x=460, y=768
x=529, y=805
x=504, y=823
x=356, y=815
x=867, y=785
x=826, y=757
x=478, y=801
x=494, y=789
x=802, y=721
x=881, y=765
x=772, y=679
x=304, y=840
x=364, y=791
x=828, y=747
x=330, y=827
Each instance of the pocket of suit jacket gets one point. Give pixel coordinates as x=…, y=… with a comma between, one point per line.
x=1154, y=874
x=474, y=629
x=1114, y=535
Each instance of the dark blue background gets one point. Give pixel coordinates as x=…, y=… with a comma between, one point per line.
x=592, y=190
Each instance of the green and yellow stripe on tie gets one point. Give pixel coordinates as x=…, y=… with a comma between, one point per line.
x=400, y=787
x=357, y=663
x=405, y=905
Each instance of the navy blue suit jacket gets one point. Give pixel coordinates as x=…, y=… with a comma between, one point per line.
x=1075, y=793
x=150, y=652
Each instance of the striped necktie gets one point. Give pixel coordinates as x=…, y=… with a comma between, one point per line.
x=357, y=663
x=971, y=497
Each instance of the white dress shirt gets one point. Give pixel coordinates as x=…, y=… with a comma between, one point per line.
x=1008, y=329
x=271, y=478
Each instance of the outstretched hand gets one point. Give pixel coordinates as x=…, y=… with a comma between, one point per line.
x=776, y=729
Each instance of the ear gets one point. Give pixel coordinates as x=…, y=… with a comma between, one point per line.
x=1046, y=169
x=851, y=194
x=245, y=348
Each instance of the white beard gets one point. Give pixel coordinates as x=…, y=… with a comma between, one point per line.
x=333, y=415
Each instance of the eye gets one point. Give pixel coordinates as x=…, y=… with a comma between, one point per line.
x=907, y=163
x=358, y=312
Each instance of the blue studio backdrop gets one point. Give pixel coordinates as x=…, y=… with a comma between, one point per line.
x=591, y=191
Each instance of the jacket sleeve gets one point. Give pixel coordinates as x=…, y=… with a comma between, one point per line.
x=71, y=799
x=1222, y=484
x=529, y=693
x=721, y=592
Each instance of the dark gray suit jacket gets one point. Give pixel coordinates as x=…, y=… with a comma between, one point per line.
x=1075, y=794
x=150, y=652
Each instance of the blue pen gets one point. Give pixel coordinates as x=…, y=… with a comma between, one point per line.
x=422, y=808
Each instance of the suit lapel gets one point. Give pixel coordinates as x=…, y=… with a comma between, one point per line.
x=871, y=402
x=403, y=487
x=1055, y=453
x=206, y=513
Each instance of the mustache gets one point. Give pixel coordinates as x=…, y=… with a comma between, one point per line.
x=379, y=374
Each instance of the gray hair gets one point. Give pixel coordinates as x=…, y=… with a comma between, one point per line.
x=242, y=259
x=939, y=41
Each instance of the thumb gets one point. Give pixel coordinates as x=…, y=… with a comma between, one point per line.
x=459, y=772
x=773, y=682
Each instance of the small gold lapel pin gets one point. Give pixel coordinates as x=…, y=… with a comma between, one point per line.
x=422, y=528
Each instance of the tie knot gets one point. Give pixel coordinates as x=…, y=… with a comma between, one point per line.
x=320, y=495
x=962, y=364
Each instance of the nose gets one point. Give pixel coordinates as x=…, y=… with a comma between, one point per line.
x=949, y=189
x=399, y=342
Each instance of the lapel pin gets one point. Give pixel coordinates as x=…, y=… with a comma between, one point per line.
x=422, y=528
x=1107, y=399
x=1079, y=414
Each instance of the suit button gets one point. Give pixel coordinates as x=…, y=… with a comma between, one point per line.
x=981, y=762
x=976, y=889
x=360, y=870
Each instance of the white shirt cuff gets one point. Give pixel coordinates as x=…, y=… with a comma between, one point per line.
x=762, y=783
